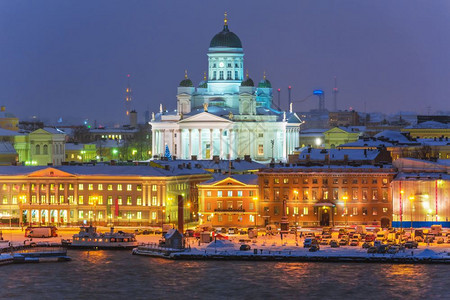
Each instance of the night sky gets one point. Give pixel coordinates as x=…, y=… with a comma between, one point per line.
x=70, y=58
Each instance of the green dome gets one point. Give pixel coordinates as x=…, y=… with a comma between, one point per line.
x=203, y=84
x=247, y=82
x=186, y=83
x=225, y=38
x=264, y=84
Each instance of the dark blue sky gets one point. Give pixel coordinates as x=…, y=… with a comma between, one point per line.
x=70, y=58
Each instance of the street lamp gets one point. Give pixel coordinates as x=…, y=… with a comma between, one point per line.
x=411, y=200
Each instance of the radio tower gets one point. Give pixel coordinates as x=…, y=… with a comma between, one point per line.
x=335, y=92
x=128, y=96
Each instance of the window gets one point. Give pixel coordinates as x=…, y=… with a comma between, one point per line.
x=266, y=181
x=295, y=210
x=325, y=181
x=276, y=194
x=80, y=199
x=139, y=215
x=305, y=180
x=239, y=193
x=139, y=201
x=80, y=214
x=295, y=180
x=305, y=194
x=240, y=205
x=251, y=206
x=236, y=75
x=61, y=187
x=110, y=187
x=286, y=180
x=80, y=187
x=100, y=200
x=364, y=181
x=214, y=75
x=335, y=194
x=385, y=209
x=38, y=149
x=230, y=193
x=325, y=194
x=230, y=218
x=5, y=200
x=354, y=193
x=385, y=181
x=314, y=181
x=305, y=211
x=52, y=199
x=276, y=210
x=129, y=201
x=228, y=75
x=314, y=194
x=119, y=200
x=344, y=181
x=71, y=200
x=45, y=149
x=374, y=194
x=119, y=187
x=335, y=181
x=139, y=187
x=153, y=215
x=219, y=193
x=70, y=187
x=219, y=218
x=43, y=199
x=250, y=193
x=355, y=211
x=229, y=204
x=364, y=194
x=90, y=186
x=266, y=194
x=4, y=187
x=154, y=201
x=276, y=180
x=154, y=187
x=374, y=181
x=129, y=187
x=260, y=149
x=208, y=193
x=364, y=211
x=220, y=75
x=100, y=187
x=374, y=211
x=110, y=202
x=355, y=181
x=384, y=192
x=219, y=204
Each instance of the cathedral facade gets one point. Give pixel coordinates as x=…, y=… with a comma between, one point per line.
x=226, y=115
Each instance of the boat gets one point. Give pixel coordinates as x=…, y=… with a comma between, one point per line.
x=88, y=238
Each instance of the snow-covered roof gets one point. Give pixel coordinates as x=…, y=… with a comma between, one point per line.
x=53, y=130
x=424, y=176
x=392, y=136
x=74, y=147
x=106, y=170
x=241, y=165
x=339, y=154
x=331, y=168
x=6, y=132
x=113, y=130
x=7, y=148
x=429, y=125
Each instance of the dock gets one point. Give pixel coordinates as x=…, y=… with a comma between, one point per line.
x=35, y=256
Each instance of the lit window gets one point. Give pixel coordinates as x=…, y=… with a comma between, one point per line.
x=129, y=202
x=154, y=187
x=80, y=214
x=219, y=193
x=119, y=200
x=90, y=186
x=208, y=206
x=5, y=200
x=139, y=187
x=230, y=193
x=100, y=200
x=80, y=186
x=61, y=187
x=285, y=180
x=129, y=187
x=80, y=199
x=139, y=201
x=139, y=215
x=119, y=187
x=110, y=201
x=100, y=187
x=239, y=193
x=355, y=211
x=70, y=186
x=385, y=209
x=153, y=215
x=154, y=201
x=305, y=211
x=208, y=194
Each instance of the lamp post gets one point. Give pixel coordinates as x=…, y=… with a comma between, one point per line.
x=411, y=200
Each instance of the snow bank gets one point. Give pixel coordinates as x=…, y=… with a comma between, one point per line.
x=221, y=244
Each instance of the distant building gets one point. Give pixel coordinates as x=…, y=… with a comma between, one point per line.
x=8, y=155
x=8, y=121
x=343, y=118
x=80, y=152
x=421, y=193
x=312, y=138
x=436, y=118
x=428, y=130
x=340, y=135
x=41, y=147
x=230, y=201
x=311, y=156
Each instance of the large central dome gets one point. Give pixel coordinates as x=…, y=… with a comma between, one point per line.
x=225, y=38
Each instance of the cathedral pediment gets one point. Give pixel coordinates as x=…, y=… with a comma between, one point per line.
x=204, y=117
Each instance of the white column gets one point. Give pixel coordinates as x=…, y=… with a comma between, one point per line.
x=283, y=155
x=153, y=141
x=230, y=143
x=179, y=141
x=221, y=143
x=211, y=148
x=190, y=144
x=163, y=132
x=200, y=143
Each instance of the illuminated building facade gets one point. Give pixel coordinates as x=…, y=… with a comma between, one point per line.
x=101, y=194
x=226, y=115
x=326, y=196
x=230, y=201
x=421, y=193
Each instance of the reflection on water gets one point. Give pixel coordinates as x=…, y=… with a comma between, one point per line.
x=119, y=275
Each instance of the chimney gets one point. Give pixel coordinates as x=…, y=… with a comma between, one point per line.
x=194, y=157
x=247, y=158
x=216, y=159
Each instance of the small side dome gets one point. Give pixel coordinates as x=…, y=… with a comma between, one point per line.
x=247, y=82
x=204, y=83
x=264, y=83
x=186, y=82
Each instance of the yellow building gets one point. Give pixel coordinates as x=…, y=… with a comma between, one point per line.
x=230, y=201
x=428, y=130
x=101, y=194
x=8, y=120
x=80, y=152
x=341, y=135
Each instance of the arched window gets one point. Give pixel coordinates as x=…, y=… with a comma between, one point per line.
x=45, y=150
x=38, y=149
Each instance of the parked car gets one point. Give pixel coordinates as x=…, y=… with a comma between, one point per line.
x=372, y=250
x=367, y=245
x=327, y=236
x=342, y=231
x=243, y=231
x=326, y=230
x=245, y=247
x=354, y=242
x=440, y=240
x=308, y=242
x=343, y=242
x=232, y=230
x=189, y=233
x=411, y=244
x=314, y=248
x=334, y=244
x=429, y=239
x=370, y=237
x=324, y=242
x=383, y=248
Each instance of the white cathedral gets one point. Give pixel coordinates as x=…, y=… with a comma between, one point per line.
x=226, y=115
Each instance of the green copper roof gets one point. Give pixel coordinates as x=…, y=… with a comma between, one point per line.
x=186, y=83
x=247, y=82
x=264, y=84
x=225, y=38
